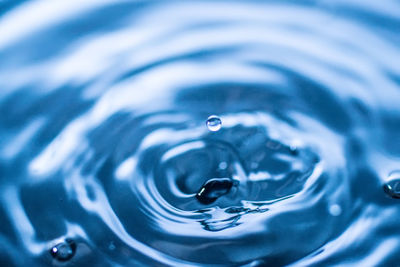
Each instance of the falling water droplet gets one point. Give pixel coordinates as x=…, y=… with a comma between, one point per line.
x=214, y=123
x=213, y=189
x=64, y=251
x=392, y=186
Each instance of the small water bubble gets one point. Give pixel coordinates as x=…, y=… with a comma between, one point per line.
x=111, y=246
x=214, y=123
x=335, y=210
x=64, y=251
x=223, y=165
x=254, y=165
x=213, y=189
x=392, y=186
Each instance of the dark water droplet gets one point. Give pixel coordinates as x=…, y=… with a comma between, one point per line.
x=214, y=123
x=294, y=151
x=213, y=189
x=392, y=186
x=64, y=251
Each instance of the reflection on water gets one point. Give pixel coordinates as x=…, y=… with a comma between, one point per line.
x=240, y=133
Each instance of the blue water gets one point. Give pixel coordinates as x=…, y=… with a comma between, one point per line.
x=107, y=158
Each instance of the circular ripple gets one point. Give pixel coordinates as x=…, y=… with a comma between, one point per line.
x=106, y=131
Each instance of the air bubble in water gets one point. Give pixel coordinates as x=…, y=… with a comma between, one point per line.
x=392, y=186
x=64, y=251
x=213, y=189
x=214, y=123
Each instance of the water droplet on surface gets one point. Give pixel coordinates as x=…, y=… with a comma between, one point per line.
x=64, y=251
x=213, y=189
x=223, y=165
x=214, y=123
x=335, y=210
x=392, y=186
x=254, y=165
x=111, y=246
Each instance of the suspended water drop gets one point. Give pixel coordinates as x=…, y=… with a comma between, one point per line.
x=392, y=186
x=213, y=189
x=64, y=251
x=214, y=123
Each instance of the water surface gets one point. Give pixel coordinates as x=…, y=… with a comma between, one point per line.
x=109, y=156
